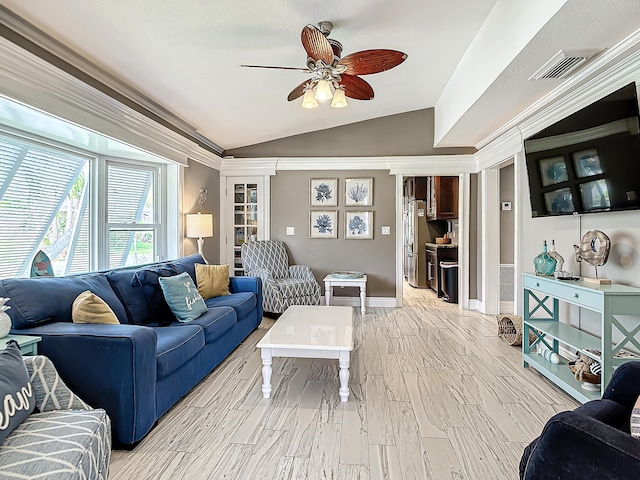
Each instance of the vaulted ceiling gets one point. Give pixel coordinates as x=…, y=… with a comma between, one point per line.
x=470, y=60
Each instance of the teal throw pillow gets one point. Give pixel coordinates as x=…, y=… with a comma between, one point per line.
x=183, y=298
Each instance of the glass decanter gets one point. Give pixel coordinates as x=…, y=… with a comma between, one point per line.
x=544, y=263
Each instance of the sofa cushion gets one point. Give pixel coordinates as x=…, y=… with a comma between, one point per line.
x=216, y=322
x=16, y=394
x=243, y=303
x=90, y=308
x=182, y=295
x=177, y=344
x=49, y=299
x=188, y=264
x=212, y=280
x=61, y=444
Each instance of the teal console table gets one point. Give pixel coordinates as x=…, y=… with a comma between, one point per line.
x=28, y=343
x=542, y=297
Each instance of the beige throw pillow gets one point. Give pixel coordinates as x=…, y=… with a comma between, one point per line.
x=635, y=419
x=212, y=280
x=90, y=308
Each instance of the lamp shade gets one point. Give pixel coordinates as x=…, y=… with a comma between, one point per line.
x=339, y=99
x=323, y=91
x=199, y=225
x=309, y=100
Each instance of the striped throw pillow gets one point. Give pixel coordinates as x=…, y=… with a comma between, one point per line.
x=635, y=419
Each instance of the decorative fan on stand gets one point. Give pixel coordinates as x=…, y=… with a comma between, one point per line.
x=334, y=77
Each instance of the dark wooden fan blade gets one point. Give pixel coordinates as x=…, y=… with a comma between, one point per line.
x=298, y=91
x=316, y=44
x=355, y=87
x=306, y=70
x=372, y=61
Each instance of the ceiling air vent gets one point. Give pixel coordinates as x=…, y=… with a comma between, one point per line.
x=562, y=64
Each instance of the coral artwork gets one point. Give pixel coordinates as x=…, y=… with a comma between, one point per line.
x=358, y=193
x=323, y=224
x=323, y=192
x=357, y=226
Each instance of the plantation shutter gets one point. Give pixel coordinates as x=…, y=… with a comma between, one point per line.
x=128, y=191
x=35, y=181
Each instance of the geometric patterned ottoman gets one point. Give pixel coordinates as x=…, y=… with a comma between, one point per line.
x=60, y=444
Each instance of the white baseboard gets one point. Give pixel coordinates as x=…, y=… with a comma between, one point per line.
x=506, y=307
x=355, y=301
x=475, y=304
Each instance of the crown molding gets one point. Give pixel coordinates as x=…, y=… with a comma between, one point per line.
x=30, y=80
x=42, y=45
x=333, y=163
x=504, y=147
x=432, y=165
x=240, y=167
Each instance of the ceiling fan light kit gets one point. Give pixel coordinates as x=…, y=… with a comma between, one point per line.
x=335, y=78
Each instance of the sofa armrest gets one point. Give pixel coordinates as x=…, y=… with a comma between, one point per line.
x=303, y=272
x=49, y=390
x=577, y=446
x=108, y=366
x=249, y=284
x=624, y=386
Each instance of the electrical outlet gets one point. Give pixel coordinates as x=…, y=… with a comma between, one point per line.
x=506, y=205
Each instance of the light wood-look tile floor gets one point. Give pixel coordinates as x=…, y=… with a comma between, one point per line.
x=435, y=394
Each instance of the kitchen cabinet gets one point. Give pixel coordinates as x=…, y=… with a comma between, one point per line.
x=415, y=188
x=442, y=198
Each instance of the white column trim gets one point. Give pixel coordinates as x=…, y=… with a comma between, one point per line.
x=464, y=240
x=399, y=241
x=490, y=181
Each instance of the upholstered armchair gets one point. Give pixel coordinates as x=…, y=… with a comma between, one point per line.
x=282, y=284
x=594, y=440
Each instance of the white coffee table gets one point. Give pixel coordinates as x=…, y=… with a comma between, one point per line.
x=330, y=281
x=305, y=331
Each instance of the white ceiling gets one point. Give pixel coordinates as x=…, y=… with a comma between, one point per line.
x=469, y=59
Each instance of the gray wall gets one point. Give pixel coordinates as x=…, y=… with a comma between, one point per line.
x=474, y=245
x=290, y=208
x=507, y=217
x=408, y=133
x=198, y=176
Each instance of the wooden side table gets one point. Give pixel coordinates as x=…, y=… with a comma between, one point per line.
x=330, y=281
x=28, y=343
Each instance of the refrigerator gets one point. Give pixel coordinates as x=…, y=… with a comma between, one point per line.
x=416, y=234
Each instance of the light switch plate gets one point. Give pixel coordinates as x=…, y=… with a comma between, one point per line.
x=291, y=231
x=386, y=230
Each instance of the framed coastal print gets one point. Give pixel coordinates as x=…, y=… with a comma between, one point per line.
x=323, y=192
x=553, y=170
x=323, y=224
x=358, y=192
x=358, y=225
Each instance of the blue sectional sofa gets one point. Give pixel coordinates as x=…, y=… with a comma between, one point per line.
x=136, y=370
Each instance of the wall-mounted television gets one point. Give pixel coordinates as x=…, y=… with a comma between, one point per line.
x=589, y=161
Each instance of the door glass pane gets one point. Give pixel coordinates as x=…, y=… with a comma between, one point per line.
x=238, y=218
x=252, y=193
x=238, y=193
x=239, y=236
x=252, y=215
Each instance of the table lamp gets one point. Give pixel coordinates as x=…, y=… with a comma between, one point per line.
x=199, y=225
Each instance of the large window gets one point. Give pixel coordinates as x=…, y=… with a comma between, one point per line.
x=46, y=204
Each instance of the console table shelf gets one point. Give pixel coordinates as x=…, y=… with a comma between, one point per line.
x=542, y=297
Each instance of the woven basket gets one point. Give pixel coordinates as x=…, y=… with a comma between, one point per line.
x=510, y=329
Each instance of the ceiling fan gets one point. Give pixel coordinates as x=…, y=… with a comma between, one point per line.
x=334, y=77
